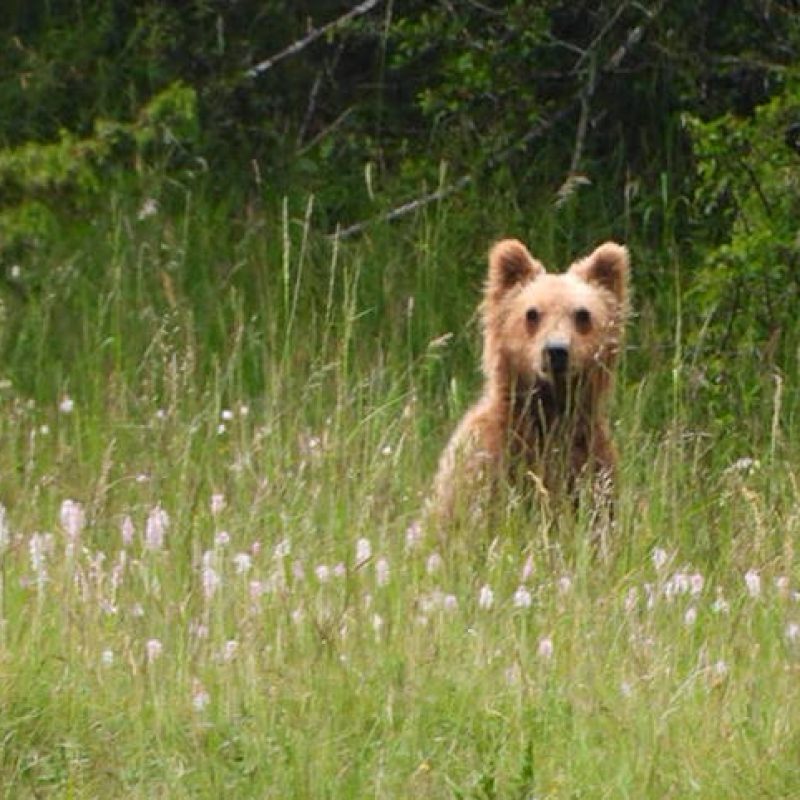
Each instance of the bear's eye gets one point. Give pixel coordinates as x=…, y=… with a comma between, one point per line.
x=532, y=315
x=583, y=319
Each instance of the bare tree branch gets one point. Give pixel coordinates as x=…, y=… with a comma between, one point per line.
x=311, y=37
x=574, y=179
x=406, y=208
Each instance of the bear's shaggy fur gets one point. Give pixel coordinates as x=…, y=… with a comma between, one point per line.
x=550, y=347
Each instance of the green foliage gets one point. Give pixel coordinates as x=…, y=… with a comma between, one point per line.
x=168, y=121
x=41, y=181
x=472, y=63
x=747, y=202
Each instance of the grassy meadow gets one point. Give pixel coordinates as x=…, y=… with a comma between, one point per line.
x=217, y=428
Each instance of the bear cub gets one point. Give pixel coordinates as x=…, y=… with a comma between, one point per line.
x=550, y=347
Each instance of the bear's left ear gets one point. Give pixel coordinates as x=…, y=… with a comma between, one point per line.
x=607, y=266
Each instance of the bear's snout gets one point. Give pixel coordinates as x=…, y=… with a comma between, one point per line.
x=557, y=357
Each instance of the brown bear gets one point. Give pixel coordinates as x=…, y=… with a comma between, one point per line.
x=550, y=347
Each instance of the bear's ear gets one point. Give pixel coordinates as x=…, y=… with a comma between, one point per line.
x=608, y=267
x=510, y=264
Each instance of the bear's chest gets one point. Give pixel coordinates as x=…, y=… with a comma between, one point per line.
x=548, y=440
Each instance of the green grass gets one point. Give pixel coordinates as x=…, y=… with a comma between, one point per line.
x=209, y=353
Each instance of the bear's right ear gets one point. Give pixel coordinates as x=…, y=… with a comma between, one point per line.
x=510, y=264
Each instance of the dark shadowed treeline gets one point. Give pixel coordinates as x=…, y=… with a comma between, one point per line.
x=673, y=125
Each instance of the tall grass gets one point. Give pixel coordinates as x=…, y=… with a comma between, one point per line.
x=238, y=600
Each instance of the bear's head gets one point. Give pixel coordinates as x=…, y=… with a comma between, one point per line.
x=554, y=330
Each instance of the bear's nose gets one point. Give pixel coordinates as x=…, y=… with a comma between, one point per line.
x=557, y=356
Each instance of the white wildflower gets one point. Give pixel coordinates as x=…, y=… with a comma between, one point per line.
x=753, y=582
x=200, y=697
x=242, y=562
x=527, y=569
x=149, y=208
x=690, y=617
x=37, y=549
x=217, y=503
x=282, y=549
x=66, y=405
x=782, y=586
x=683, y=582
x=73, y=518
x=564, y=584
x=744, y=465
x=720, y=604
x=230, y=649
x=127, y=531
x=153, y=649
x=522, y=598
x=545, y=648
x=199, y=630
x=363, y=550
x=513, y=675
x=413, y=536
x=485, y=597
x=433, y=563
x=222, y=538
x=659, y=557
x=5, y=531
x=156, y=528
x=211, y=581
x=719, y=669
x=256, y=589
x=696, y=584
x=323, y=573
x=382, y=571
